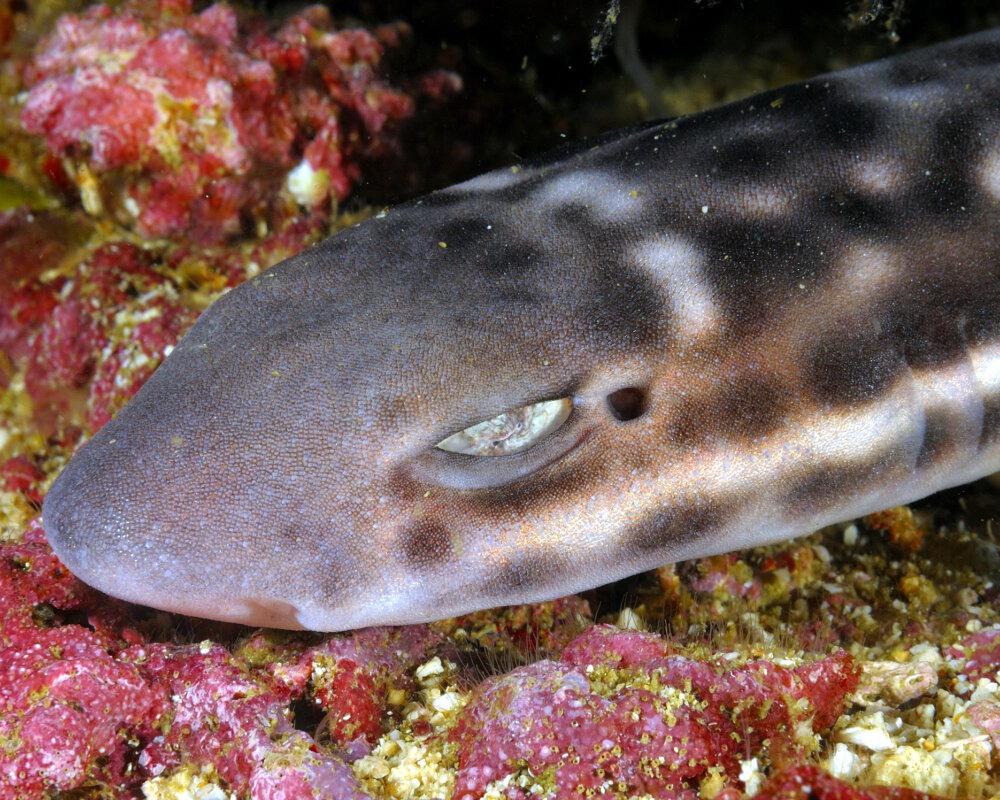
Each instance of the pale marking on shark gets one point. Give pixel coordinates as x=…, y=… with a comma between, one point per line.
x=689, y=295
x=867, y=271
x=989, y=172
x=986, y=365
x=768, y=317
x=608, y=198
x=881, y=175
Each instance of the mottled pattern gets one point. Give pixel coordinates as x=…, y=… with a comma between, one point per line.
x=801, y=289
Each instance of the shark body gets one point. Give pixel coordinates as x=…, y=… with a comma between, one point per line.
x=689, y=337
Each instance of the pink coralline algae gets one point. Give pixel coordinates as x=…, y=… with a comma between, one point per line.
x=192, y=124
x=979, y=655
x=811, y=783
x=620, y=712
x=70, y=709
x=20, y=474
x=234, y=719
x=104, y=332
x=86, y=343
x=101, y=706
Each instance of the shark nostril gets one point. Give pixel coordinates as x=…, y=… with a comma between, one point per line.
x=628, y=403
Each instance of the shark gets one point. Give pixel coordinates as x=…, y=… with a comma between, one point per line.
x=687, y=337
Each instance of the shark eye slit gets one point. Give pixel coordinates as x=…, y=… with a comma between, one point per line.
x=628, y=403
x=510, y=432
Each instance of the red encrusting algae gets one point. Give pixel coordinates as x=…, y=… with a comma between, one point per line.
x=96, y=703
x=623, y=712
x=199, y=125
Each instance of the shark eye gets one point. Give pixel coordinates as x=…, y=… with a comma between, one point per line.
x=510, y=432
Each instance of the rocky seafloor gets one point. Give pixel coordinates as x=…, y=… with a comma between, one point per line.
x=152, y=156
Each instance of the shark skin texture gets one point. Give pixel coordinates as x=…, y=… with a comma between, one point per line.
x=688, y=337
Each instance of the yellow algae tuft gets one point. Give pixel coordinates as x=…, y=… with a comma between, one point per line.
x=187, y=783
x=900, y=524
x=934, y=745
x=915, y=768
x=407, y=769
x=406, y=765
